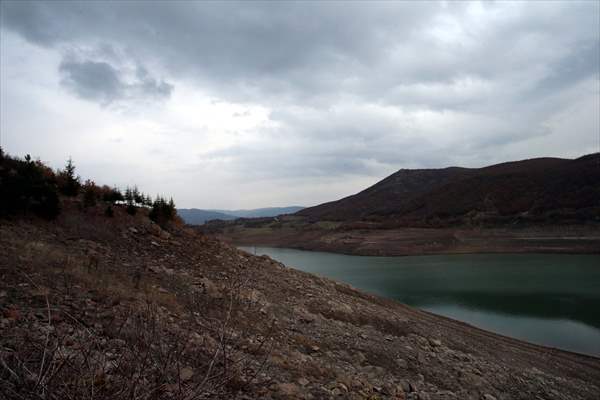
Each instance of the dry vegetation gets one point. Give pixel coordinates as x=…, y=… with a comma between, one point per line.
x=81, y=322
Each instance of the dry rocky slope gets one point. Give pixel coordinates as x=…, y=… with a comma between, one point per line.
x=98, y=307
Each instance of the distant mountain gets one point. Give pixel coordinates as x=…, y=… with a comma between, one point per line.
x=195, y=216
x=262, y=212
x=543, y=188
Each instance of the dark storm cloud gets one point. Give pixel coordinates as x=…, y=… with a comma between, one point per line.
x=313, y=52
x=100, y=81
x=92, y=80
x=249, y=49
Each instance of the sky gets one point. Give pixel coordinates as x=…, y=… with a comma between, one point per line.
x=253, y=104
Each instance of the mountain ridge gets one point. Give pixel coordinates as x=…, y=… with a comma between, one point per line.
x=198, y=216
x=413, y=196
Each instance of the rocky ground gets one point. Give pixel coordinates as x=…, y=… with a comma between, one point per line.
x=101, y=307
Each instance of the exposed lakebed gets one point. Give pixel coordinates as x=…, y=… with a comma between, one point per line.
x=548, y=299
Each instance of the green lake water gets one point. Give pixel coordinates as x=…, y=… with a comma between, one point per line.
x=548, y=299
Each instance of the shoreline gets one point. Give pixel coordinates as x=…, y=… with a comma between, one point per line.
x=515, y=252
x=416, y=241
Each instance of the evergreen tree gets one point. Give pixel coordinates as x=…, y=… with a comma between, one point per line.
x=27, y=186
x=162, y=211
x=128, y=196
x=90, y=193
x=148, y=201
x=130, y=199
x=68, y=182
x=138, y=197
x=111, y=195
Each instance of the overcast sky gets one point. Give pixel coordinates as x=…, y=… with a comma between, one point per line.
x=244, y=105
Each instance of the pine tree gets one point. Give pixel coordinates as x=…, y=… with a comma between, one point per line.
x=128, y=195
x=137, y=196
x=68, y=182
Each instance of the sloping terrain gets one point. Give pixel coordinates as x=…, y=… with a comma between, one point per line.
x=116, y=307
x=546, y=190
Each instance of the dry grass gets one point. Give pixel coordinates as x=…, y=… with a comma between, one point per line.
x=88, y=328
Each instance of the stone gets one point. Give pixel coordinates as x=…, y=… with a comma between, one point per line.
x=210, y=288
x=488, y=396
x=303, y=381
x=405, y=385
x=186, y=373
x=288, y=389
x=435, y=342
x=400, y=394
x=412, y=387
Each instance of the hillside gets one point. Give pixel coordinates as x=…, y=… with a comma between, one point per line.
x=543, y=205
x=541, y=190
x=117, y=307
x=195, y=216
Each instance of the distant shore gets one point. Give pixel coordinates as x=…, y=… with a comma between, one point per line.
x=423, y=241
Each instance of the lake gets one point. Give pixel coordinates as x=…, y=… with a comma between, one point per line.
x=548, y=299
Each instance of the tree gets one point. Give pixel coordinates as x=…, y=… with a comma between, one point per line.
x=91, y=193
x=26, y=186
x=128, y=196
x=147, y=201
x=68, y=182
x=111, y=195
x=130, y=199
x=138, y=197
x=162, y=211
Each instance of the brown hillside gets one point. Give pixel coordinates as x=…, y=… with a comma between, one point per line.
x=541, y=190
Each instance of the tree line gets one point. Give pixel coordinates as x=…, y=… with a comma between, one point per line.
x=30, y=186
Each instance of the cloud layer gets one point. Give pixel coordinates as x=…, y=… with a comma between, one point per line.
x=291, y=102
